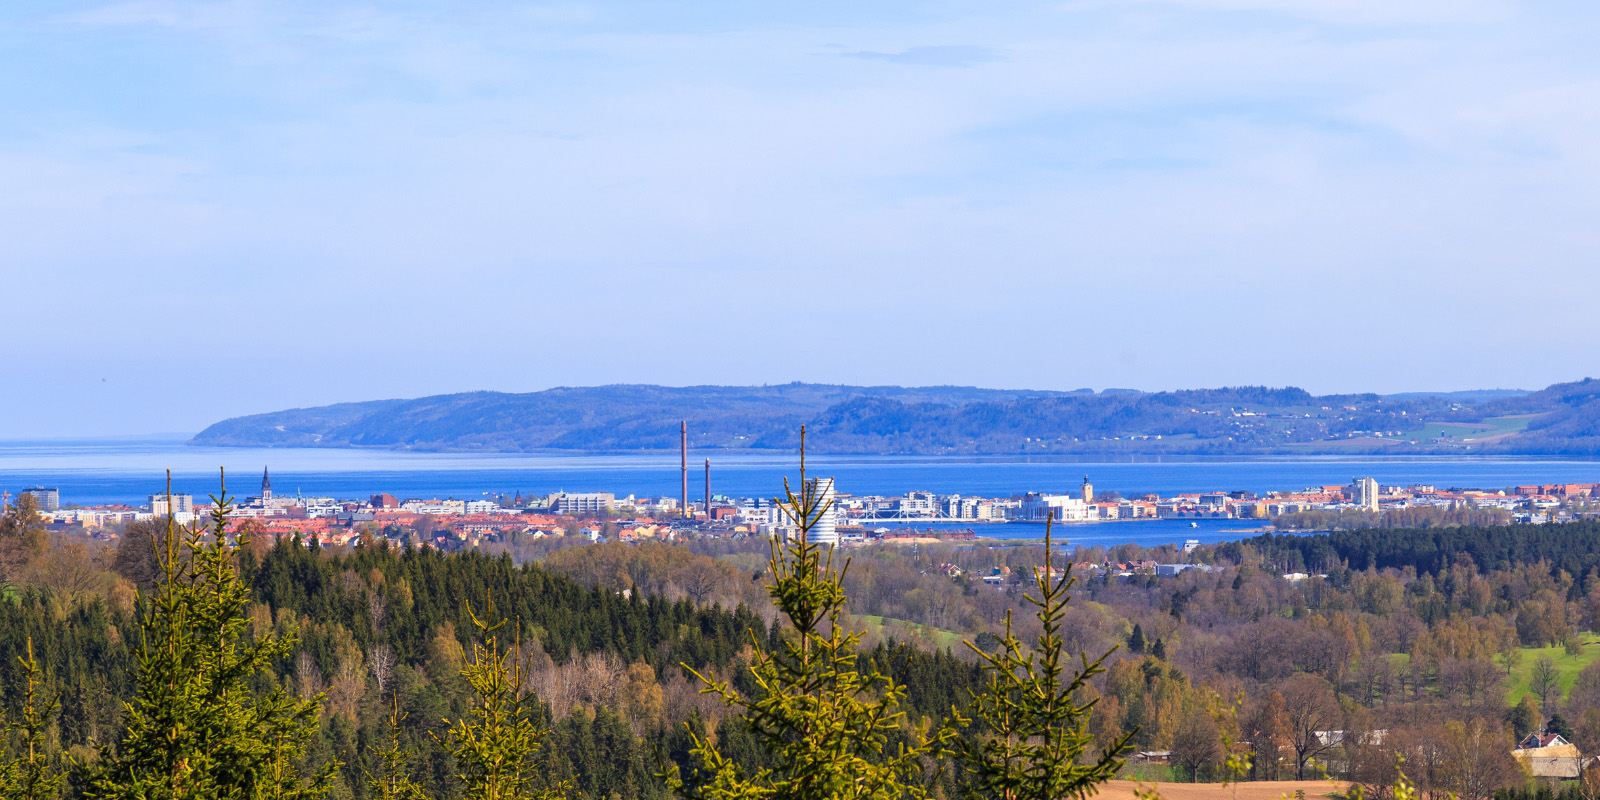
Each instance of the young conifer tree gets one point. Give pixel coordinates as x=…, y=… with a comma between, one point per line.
x=194, y=729
x=823, y=720
x=26, y=773
x=1031, y=739
x=393, y=781
x=496, y=746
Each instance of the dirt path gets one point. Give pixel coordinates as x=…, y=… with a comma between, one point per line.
x=1248, y=790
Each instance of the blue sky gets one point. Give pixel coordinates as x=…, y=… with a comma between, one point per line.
x=220, y=208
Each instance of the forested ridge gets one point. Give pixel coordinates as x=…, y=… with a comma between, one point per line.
x=943, y=420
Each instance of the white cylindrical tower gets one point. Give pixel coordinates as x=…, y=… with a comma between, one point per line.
x=826, y=530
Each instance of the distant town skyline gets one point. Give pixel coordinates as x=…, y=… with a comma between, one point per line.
x=216, y=209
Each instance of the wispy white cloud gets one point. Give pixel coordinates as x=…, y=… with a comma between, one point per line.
x=947, y=55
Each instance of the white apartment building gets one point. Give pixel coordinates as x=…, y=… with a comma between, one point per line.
x=1365, y=493
x=317, y=508
x=456, y=507
x=916, y=504
x=1066, y=508
x=180, y=504
x=582, y=502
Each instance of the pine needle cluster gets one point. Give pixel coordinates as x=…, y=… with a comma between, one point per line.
x=823, y=719
x=194, y=728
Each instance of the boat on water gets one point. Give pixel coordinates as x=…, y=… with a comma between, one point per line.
x=1194, y=524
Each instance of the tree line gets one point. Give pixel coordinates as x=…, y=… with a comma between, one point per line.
x=204, y=664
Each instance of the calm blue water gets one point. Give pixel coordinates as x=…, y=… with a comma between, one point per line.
x=127, y=471
x=1149, y=533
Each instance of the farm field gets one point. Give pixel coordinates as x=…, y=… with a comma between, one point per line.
x=1477, y=431
x=1244, y=790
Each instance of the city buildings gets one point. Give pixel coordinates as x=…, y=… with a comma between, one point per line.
x=850, y=520
x=582, y=503
x=48, y=499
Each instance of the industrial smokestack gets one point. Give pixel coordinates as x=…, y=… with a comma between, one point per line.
x=683, y=453
x=708, y=489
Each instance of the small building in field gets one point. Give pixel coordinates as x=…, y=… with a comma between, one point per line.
x=1548, y=755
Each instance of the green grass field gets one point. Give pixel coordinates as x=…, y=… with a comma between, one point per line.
x=1517, y=683
x=1152, y=773
x=941, y=637
x=1494, y=426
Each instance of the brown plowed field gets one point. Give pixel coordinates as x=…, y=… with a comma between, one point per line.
x=1247, y=790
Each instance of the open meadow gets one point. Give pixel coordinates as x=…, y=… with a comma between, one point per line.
x=1243, y=790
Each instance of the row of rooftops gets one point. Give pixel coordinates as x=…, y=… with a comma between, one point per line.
x=743, y=512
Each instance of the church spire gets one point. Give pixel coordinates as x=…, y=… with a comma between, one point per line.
x=266, y=486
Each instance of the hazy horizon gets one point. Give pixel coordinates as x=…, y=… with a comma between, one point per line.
x=221, y=208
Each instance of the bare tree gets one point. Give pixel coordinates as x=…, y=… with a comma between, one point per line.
x=1314, y=717
x=308, y=676
x=377, y=611
x=22, y=535
x=1477, y=760
x=68, y=569
x=1545, y=683
x=136, y=557
x=344, y=693
x=1589, y=784
x=381, y=662
x=699, y=579
x=1267, y=729
x=1375, y=679
x=1197, y=745
x=1373, y=761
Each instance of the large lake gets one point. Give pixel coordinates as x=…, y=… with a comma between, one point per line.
x=128, y=470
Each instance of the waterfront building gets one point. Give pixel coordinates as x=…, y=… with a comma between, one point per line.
x=180, y=504
x=1364, y=493
x=582, y=502
x=826, y=529
x=48, y=499
x=1066, y=508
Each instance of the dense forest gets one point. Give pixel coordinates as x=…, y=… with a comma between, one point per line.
x=1564, y=418
x=379, y=627
x=1463, y=638
x=1573, y=548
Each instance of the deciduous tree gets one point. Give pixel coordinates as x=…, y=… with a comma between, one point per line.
x=1545, y=683
x=1311, y=711
x=1477, y=760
